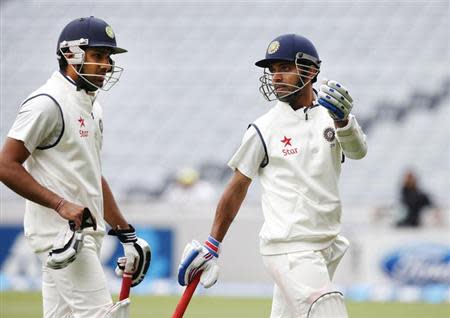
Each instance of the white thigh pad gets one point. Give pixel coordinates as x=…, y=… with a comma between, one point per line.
x=328, y=305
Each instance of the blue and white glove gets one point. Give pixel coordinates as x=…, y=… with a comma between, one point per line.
x=336, y=99
x=196, y=258
x=137, y=254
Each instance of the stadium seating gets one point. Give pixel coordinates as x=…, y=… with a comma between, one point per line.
x=190, y=87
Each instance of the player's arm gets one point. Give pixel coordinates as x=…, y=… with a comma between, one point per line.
x=229, y=204
x=16, y=177
x=137, y=254
x=112, y=213
x=352, y=139
x=246, y=162
x=197, y=257
x=336, y=98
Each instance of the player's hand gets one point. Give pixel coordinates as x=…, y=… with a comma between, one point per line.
x=196, y=258
x=71, y=212
x=137, y=254
x=69, y=242
x=336, y=99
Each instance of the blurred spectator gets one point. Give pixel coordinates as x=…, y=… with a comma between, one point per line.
x=188, y=187
x=415, y=200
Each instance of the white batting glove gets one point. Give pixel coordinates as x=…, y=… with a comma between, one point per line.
x=137, y=254
x=68, y=242
x=65, y=248
x=336, y=99
x=196, y=258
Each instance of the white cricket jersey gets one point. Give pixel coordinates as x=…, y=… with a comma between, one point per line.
x=297, y=156
x=61, y=127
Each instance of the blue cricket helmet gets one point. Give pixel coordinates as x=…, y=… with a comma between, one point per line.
x=290, y=48
x=93, y=31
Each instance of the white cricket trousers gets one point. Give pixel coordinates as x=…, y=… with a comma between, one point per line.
x=301, y=277
x=78, y=290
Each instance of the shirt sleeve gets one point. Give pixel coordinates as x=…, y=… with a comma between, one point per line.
x=250, y=155
x=352, y=139
x=39, y=123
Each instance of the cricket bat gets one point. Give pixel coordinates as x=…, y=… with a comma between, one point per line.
x=186, y=298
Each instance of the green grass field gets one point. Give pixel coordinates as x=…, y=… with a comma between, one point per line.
x=28, y=305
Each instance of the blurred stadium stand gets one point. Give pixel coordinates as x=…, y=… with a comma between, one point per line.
x=188, y=92
x=190, y=87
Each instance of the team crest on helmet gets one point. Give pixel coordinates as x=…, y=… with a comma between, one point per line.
x=329, y=134
x=109, y=31
x=273, y=47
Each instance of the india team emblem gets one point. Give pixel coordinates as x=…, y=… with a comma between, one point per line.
x=100, y=125
x=109, y=31
x=329, y=134
x=273, y=47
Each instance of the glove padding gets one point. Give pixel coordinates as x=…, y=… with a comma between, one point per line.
x=137, y=255
x=198, y=258
x=336, y=99
x=69, y=242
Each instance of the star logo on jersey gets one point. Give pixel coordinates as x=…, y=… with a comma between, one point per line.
x=81, y=121
x=83, y=133
x=286, y=141
x=290, y=150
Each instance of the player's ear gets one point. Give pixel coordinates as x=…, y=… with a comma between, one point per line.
x=68, y=55
x=309, y=71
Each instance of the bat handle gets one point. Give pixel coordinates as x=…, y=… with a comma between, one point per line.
x=126, y=285
x=186, y=298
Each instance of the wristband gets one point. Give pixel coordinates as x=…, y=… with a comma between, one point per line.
x=213, y=246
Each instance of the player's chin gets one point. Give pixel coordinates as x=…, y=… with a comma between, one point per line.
x=98, y=82
x=282, y=93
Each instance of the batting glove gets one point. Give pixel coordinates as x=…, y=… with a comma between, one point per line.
x=137, y=255
x=336, y=99
x=69, y=242
x=197, y=258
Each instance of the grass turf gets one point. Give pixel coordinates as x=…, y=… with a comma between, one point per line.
x=28, y=305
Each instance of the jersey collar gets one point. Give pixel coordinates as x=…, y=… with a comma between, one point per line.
x=71, y=83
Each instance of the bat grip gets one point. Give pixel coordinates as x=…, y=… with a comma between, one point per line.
x=126, y=285
x=186, y=298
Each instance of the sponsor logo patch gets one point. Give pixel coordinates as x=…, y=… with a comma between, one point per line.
x=81, y=121
x=421, y=264
x=288, y=151
x=286, y=141
x=83, y=133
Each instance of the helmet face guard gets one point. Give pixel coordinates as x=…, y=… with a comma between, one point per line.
x=84, y=33
x=75, y=55
x=308, y=67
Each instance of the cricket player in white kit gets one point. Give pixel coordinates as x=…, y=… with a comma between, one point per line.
x=296, y=149
x=52, y=158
